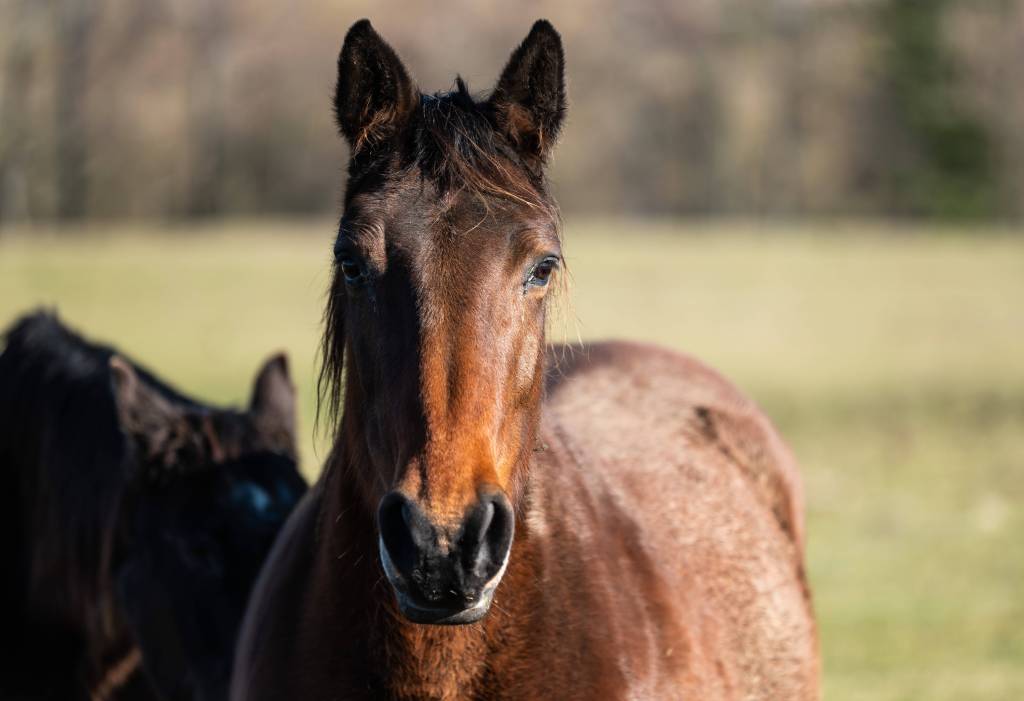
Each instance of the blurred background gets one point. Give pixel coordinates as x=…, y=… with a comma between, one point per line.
x=191, y=108
x=822, y=198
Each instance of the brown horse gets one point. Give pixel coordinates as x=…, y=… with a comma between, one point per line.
x=621, y=525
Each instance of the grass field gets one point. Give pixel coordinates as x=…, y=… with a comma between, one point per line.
x=893, y=361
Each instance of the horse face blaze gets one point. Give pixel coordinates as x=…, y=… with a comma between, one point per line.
x=446, y=338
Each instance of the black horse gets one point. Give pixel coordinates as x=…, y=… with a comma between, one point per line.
x=135, y=523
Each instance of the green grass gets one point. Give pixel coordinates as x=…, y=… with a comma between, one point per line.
x=892, y=360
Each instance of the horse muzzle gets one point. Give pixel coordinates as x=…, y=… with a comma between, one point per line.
x=445, y=576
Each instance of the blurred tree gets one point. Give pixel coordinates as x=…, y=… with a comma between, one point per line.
x=74, y=20
x=186, y=108
x=18, y=67
x=204, y=89
x=945, y=167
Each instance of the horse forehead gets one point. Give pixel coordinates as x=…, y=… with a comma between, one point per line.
x=435, y=236
x=438, y=242
x=411, y=213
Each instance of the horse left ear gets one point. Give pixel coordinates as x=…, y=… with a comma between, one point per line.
x=143, y=413
x=162, y=429
x=273, y=404
x=529, y=100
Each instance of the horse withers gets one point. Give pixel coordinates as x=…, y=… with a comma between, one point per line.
x=490, y=525
x=136, y=522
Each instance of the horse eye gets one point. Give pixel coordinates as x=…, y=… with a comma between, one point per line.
x=541, y=273
x=351, y=269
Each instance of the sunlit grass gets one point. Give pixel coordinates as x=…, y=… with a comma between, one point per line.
x=893, y=360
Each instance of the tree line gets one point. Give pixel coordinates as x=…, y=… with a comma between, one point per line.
x=196, y=108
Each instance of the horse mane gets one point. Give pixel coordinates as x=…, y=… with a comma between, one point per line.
x=68, y=465
x=453, y=141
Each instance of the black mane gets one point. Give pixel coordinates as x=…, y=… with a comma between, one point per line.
x=56, y=412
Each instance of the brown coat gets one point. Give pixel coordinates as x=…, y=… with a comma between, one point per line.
x=659, y=555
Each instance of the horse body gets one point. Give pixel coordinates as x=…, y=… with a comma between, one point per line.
x=138, y=522
x=492, y=524
x=683, y=577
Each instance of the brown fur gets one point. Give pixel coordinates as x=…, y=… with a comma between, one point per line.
x=658, y=547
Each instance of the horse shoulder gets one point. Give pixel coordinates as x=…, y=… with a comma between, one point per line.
x=601, y=382
x=692, y=499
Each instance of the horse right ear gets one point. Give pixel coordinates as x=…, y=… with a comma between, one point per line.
x=374, y=95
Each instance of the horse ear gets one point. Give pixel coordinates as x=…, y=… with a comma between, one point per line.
x=156, y=424
x=374, y=94
x=273, y=404
x=529, y=100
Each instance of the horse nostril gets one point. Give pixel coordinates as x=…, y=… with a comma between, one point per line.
x=478, y=525
x=397, y=522
x=487, y=536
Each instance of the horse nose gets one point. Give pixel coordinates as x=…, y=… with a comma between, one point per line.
x=405, y=534
x=445, y=569
x=486, y=537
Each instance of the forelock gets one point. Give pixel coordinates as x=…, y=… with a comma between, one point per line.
x=457, y=146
